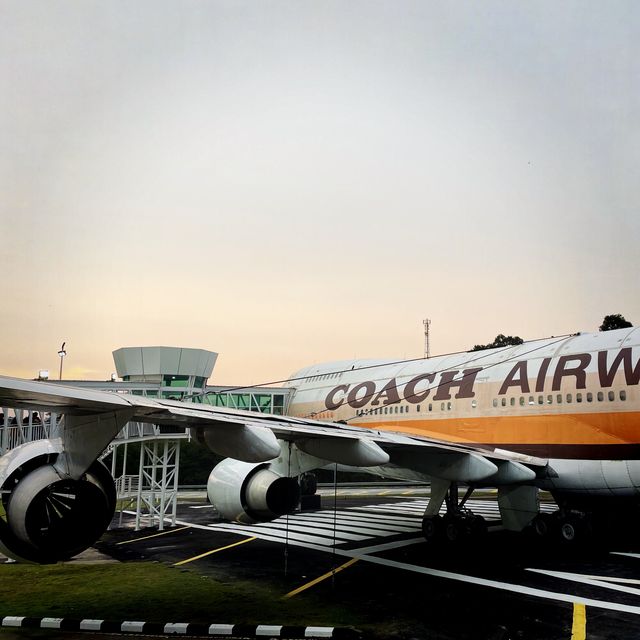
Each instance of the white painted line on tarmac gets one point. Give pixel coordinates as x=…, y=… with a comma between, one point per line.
x=379, y=514
x=314, y=545
x=293, y=528
x=388, y=546
x=591, y=580
x=630, y=555
x=620, y=580
x=447, y=575
x=361, y=524
x=495, y=584
x=280, y=535
x=370, y=518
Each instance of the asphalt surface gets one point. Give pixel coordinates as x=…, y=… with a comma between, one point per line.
x=369, y=543
x=504, y=586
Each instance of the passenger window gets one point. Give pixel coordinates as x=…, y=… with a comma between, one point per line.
x=430, y=407
x=569, y=398
x=495, y=402
x=442, y=406
x=474, y=404
x=612, y=396
x=448, y=406
x=559, y=398
x=396, y=410
x=504, y=402
x=522, y=401
x=531, y=400
x=513, y=402
x=589, y=397
x=386, y=409
x=549, y=399
x=623, y=395
x=600, y=396
x=578, y=397
x=540, y=399
x=418, y=408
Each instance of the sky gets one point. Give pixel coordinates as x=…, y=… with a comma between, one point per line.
x=292, y=181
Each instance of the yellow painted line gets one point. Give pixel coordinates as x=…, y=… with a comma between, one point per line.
x=208, y=553
x=407, y=493
x=295, y=592
x=155, y=535
x=579, y=629
x=384, y=493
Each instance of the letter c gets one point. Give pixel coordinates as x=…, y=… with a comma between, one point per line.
x=331, y=402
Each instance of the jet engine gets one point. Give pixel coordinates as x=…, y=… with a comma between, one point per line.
x=48, y=516
x=250, y=493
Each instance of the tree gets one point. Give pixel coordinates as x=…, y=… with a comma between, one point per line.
x=614, y=321
x=500, y=341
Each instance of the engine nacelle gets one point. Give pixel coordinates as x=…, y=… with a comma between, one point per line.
x=250, y=493
x=50, y=517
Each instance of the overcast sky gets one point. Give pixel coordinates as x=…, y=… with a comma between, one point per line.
x=289, y=182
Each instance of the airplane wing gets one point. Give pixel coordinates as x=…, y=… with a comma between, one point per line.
x=252, y=436
x=58, y=499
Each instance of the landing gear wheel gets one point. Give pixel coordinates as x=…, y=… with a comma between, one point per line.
x=308, y=484
x=573, y=529
x=432, y=528
x=568, y=531
x=454, y=528
x=543, y=525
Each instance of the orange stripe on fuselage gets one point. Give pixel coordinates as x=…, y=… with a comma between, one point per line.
x=579, y=428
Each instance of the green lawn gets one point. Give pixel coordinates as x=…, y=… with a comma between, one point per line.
x=153, y=592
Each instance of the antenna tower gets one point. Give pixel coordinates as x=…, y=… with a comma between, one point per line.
x=427, y=346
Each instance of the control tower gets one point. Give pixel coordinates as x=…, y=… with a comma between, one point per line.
x=172, y=371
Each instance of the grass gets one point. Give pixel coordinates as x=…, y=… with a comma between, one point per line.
x=152, y=592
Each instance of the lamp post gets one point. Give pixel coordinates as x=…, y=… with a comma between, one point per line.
x=62, y=353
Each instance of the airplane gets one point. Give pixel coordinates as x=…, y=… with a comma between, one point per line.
x=560, y=414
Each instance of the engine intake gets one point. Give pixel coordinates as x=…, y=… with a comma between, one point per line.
x=250, y=493
x=51, y=518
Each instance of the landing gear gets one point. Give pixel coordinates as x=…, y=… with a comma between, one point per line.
x=564, y=526
x=308, y=484
x=457, y=524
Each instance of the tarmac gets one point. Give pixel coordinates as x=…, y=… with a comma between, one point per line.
x=364, y=548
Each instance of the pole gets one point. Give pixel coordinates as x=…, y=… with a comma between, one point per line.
x=62, y=353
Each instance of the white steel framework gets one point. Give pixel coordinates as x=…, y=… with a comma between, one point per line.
x=158, y=487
